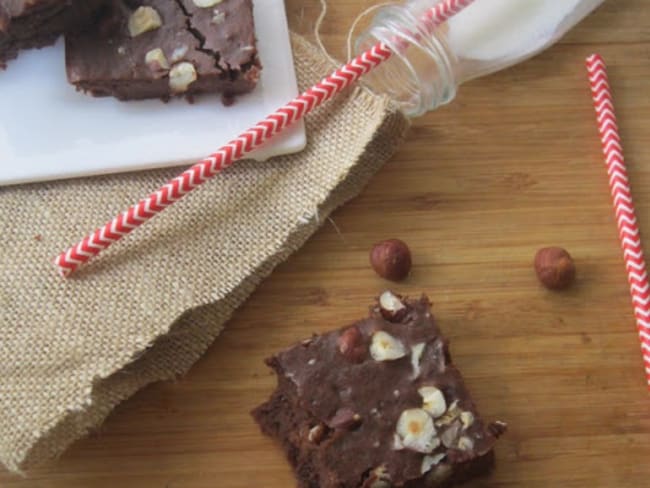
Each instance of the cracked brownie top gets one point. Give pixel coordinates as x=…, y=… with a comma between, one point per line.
x=161, y=48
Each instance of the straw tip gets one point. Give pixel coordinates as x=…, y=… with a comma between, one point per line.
x=593, y=58
x=62, y=269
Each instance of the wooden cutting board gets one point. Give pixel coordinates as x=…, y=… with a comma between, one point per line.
x=514, y=164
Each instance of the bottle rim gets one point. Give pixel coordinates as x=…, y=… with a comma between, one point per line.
x=418, y=78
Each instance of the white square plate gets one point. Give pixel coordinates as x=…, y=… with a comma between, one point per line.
x=49, y=131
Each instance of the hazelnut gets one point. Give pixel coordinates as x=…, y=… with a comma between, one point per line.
x=439, y=474
x=449, y=436
x=465, y=443
x=415, y=431
x=308, y=342
x=144, y=19
x=378, y=478
x=206, y=3
x=218, y=17
x=391, y=307
x=351, y=345
x=181, y=76
x=156, y=61
x=467, y=419
x=385, y=347
x=452, y=413
x=416, y=356
x=345, y=419
x=179, y=53
x=317, y=434
x=429, y=462
x=391, y=259
x=497, y=428
x=555, y=268
x=380, y=484
x=433, y=401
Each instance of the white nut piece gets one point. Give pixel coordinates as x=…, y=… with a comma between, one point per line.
x=397, y=443
x=465, y=443
x=389, y=302
x=385, y=347
x=380, y=484
x=433, y=401
x=467, y=419
x=416, y=357
x=181, y=76
x=449, y=436
x=144, y=19
x=416, y=431
x=156, y=60
x=379, y=478
x=430, y=461
x=179, y=53
x=316, y=434
x=218, y=17
x=206, y=3
x=450, y=415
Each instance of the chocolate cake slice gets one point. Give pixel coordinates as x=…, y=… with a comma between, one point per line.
x=163, y=48
x=378, y=404
x=37, y=23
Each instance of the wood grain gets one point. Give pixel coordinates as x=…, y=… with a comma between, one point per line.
x=512, y=165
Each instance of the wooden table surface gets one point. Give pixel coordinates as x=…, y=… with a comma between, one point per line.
x=512, y=165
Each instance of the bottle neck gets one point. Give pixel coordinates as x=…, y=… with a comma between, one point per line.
x=421, y=75
x=429, y=63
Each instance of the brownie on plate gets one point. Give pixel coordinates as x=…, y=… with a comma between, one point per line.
x=162, y=48
x=378, y=404
x=37, y=23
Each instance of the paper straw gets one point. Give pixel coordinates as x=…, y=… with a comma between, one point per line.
x=625, y=215
x=68, y=261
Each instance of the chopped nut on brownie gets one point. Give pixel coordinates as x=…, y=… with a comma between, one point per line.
x=166, y=48
x=381, y=406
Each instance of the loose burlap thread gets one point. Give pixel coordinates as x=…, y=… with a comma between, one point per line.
x=145, y=310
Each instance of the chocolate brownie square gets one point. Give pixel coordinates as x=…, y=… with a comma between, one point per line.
x=162, y=48
x=36, y=23
x=378, y=404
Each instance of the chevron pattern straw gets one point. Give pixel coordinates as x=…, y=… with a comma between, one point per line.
x=70, y=260
x=623, y=205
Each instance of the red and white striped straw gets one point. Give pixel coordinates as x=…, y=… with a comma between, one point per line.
x=625, y=215
x=68, y=261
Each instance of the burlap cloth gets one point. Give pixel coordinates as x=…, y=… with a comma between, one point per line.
x=70, y=351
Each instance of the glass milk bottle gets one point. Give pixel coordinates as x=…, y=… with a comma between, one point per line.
x=487, y=36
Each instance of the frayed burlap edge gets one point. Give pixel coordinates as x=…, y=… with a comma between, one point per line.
x=173, y=353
